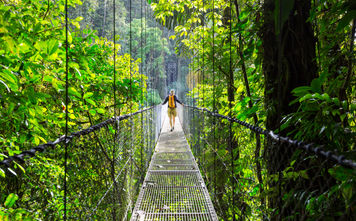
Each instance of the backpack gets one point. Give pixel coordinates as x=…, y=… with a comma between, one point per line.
x=171, y=102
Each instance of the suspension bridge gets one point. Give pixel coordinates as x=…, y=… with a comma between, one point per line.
x=154, y=174
x=211, y=167
x=173, y=188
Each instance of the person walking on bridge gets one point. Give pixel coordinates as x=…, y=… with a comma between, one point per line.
x=172, y=105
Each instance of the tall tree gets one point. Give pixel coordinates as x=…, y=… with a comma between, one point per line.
x=289, y=62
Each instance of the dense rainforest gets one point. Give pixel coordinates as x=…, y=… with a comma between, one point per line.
x=288, y=66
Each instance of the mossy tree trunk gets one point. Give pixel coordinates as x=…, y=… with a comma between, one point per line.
x=289, y=62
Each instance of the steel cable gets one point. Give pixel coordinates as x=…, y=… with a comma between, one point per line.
x=40, y=148
x=66, y=113
x=214, y=95
x=230, y=111
x=309, y=147
x=131, y=122
x=115, y=113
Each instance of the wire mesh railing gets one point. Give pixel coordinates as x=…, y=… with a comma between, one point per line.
x=105, y=167
x=284, y=180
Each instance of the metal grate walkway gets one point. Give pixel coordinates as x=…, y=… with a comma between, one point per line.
x=173, y=188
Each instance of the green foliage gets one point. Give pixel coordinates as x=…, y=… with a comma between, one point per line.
x=32, y=96
x=9, y=213
x=322, y=118
x=153, y=97
x=10, y=200
x=33, y=77
x=32, y=89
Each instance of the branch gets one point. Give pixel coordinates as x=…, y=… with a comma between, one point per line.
x=45, y=15
x=51, y=29
x=114, y=105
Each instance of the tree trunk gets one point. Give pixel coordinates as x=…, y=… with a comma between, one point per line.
x=289, y=62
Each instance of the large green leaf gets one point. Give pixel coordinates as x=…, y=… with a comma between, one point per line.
x=73, y=91
x=11, y=200
x=9, y=79
x=8, y=89
x=341, y=173
x=346, y=20
x=2, y=173
x=52, y=46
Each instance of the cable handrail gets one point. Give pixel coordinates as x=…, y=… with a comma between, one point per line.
x=42, y=147
x=309, y=147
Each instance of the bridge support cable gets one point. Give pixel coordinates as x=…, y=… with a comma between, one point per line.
x=66, y=113
x=117, y=126
x=213, y=122
x=232, y=142
x=173, y=188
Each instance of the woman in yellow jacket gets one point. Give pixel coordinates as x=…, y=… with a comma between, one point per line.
x=172, y=105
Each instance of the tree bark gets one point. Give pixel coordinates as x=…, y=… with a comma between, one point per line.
x=289, y=62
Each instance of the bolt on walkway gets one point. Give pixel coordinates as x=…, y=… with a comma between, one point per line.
x=173, y=188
